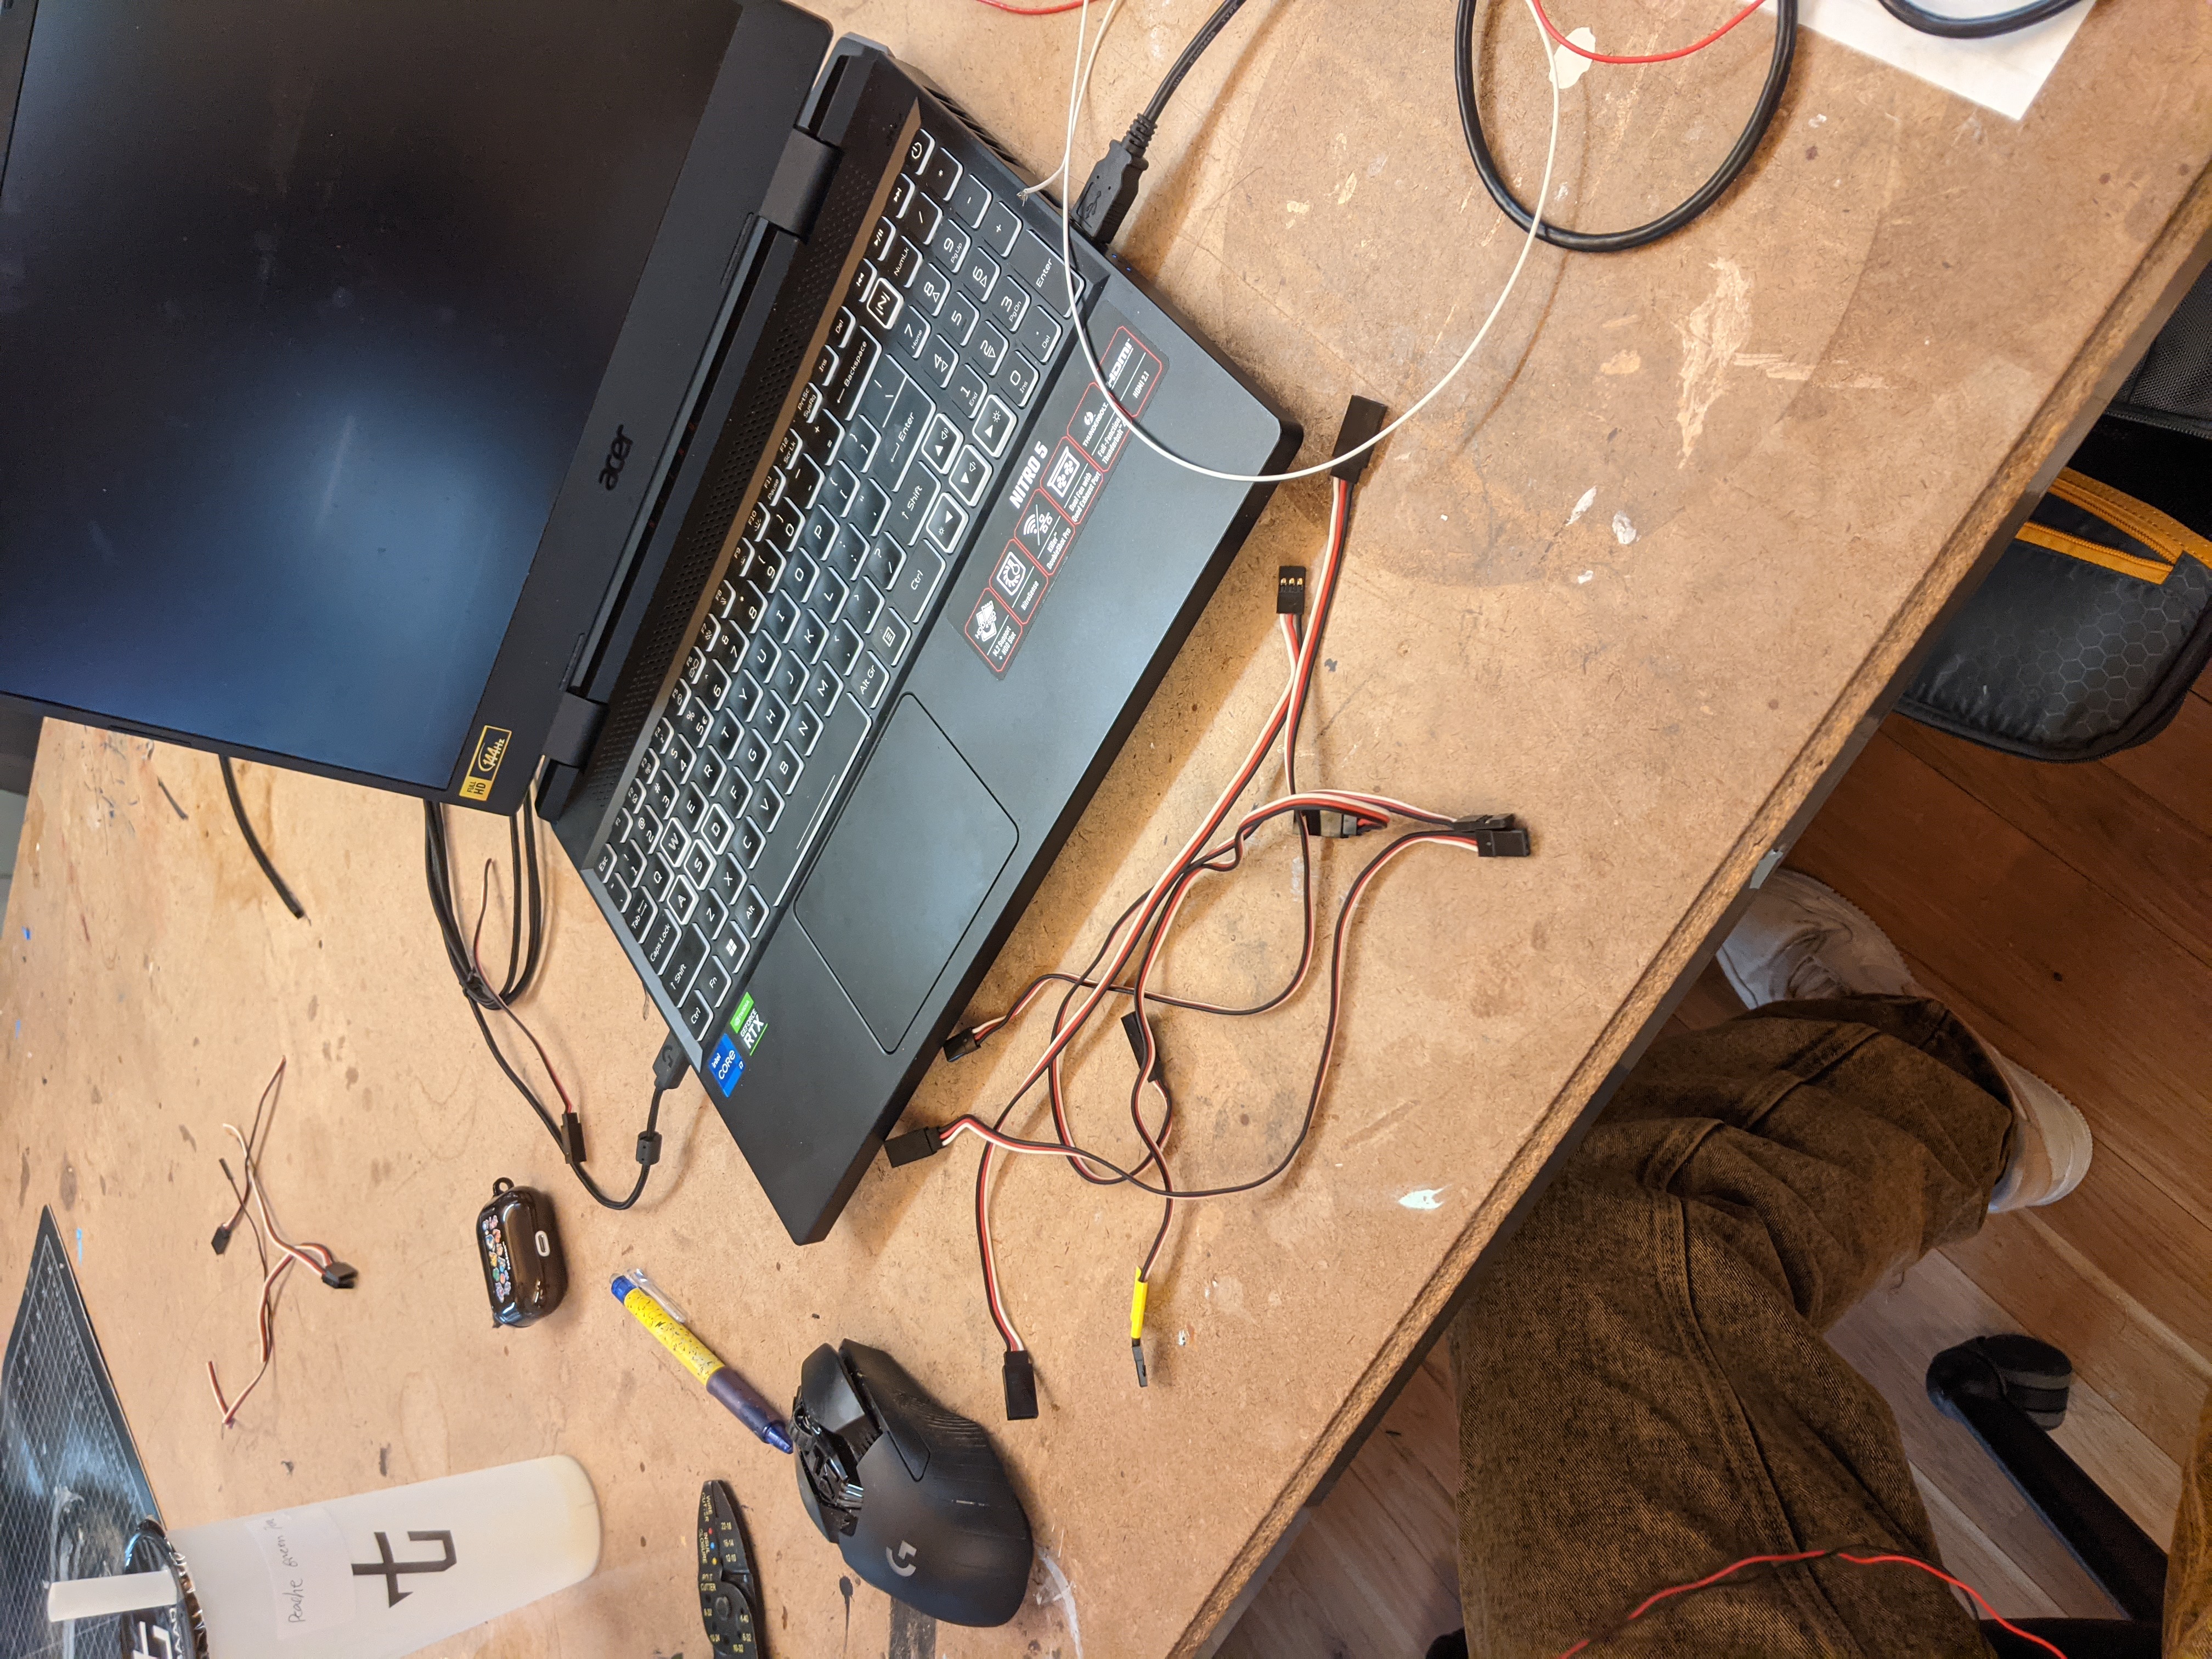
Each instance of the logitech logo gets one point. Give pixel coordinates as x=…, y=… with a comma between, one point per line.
x=617, y=457
x=902, y=1563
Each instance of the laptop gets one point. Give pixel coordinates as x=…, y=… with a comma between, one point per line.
x=849, y=585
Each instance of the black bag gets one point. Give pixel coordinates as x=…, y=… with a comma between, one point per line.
x=2098, y=618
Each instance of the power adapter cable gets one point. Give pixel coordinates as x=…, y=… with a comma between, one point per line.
x=1111, y=190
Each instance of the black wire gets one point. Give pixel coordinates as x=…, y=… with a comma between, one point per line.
x=1191, y=54
x=1976, y=28
x=526, y=949
x=253, y=841
x=1621, y=242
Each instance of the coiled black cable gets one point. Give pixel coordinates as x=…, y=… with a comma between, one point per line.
x=1191, y=54
x=1976, y=28
x=1621, y=242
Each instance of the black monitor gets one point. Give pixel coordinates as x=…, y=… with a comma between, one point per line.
x=328, y=333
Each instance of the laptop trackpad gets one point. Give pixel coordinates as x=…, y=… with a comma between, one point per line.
x=911, y=860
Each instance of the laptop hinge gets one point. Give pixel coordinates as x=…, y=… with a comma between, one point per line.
x=576, y=728
x=802, y=178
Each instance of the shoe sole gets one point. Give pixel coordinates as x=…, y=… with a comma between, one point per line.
x=1743, y=992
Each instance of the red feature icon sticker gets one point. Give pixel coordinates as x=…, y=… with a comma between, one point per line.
x=993, y=631
x=1073, y=483
x=1045, y=532
x=1133, y=369
x=1096, y=430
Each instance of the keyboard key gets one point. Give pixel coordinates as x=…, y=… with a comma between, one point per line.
x=994, y=426
x=750, y=843
x=869, y=680
x=761, y=660
x=767, y=808
x=691, y=807
x=918, y=152
x=1038, y=334
x=940, y=361
x=979, y=275
x=847, y=728
x=712, y=693
x=881, y=239
x=784, y=769
x=698, y=865
x=753, y=754
x=861, y=370
x=939, y=175
x=841, y=485
x=884, y=303
x=805, y=482
x=822, y=690
x=709, y=772
x=940, y=445
x=694, y=723
x=972, y=476
x=806, y=722
x=883, y=566
x=864, y=278
x=753, y=912
x=989, y=347
x=682, y=901
x=790, y=682
x=783, y=528
x=729, y=880
x=860, y=616
x=844, y=648
x=1021, y=377
x=1009, y=305
x=659, y=795
x=959, y=320
x=742, y=702
x=690, y=950
x=730, y=949
x=782, y=617
x=606, y=867
x=948, y=522
x=842, y=327
x=881, y=393
x=843, y=559
x=903, y=196
x=968, y=392
x=810, y=403
x=827, y=365
x=714, y=830
x=910, y=507
x=1001, y=229
x=763, y=565
x=969, y=202
x=931, y=290
x=922, y=220
x=858, y=447
x=905, y=262
x=735, y=790
x=815, y=536
x=950, y=247
x=712, y=915
x=768, y=723
x=710, y=989
x=1039, y=266
x=869, y=508
x=637, y=915
x=917, y=584
x=890, y=638
x=617, y=885
x=808, y=638
x=659, y=942
x=912, y=334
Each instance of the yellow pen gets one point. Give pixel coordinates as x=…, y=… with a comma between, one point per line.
x=743, y=1401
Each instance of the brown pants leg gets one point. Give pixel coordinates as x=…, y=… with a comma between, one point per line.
x=1644, y=1392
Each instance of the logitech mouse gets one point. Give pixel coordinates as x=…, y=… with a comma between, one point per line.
x=913, y=1494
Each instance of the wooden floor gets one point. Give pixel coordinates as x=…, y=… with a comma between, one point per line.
x=2066, y=912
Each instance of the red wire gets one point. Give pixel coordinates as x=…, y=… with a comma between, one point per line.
x=1713, y=1578
x=1553, y=29
x=1033, y=11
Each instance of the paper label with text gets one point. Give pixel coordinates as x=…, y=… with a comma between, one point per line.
x=308, y=1572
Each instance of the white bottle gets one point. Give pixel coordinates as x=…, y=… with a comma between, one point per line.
x=386, y=1573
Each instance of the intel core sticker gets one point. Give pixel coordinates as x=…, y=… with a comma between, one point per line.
x=1053, y=487
x=748, y=1024
x=725, y=1065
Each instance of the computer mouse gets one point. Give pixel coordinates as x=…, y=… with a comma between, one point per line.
x=913, y=1494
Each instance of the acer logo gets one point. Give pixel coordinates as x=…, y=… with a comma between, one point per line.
x=617, y=457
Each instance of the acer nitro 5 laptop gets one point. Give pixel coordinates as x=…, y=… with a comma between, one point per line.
x=645, y=402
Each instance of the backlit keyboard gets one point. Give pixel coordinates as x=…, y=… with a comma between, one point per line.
x=951, y=324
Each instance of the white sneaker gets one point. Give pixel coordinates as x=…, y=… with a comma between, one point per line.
x=2051, y=1142
x=1801, y=939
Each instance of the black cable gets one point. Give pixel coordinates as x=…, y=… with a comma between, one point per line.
x=1621, y=242
x=253, y=841
x=1976, y=28
x=526, y=949
x=1191, y=54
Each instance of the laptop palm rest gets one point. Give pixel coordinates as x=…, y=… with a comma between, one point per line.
x=917, y=849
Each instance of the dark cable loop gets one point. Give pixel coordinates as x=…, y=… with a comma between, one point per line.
x=1976, y=28
x=1184, y=64
x=253, y=841
x=1621, y=242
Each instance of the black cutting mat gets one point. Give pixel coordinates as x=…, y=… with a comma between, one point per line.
x=72, y=1489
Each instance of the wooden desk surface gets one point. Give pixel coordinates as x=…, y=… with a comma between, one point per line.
x=1637, y=577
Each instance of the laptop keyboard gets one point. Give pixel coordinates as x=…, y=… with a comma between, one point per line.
x=906, y=427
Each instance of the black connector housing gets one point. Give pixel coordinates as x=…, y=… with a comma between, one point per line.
x=670, y=1067
x=1020, y=1378
x=1109, y=193
x=1290, y=591
x=341, y=1276
x=1137, y=1352
x=913, y=1146
x=1133, y=1027
x=572, y=1138
x=961, y=1044
x=1495, y=835
x=1363, y=419
x=1332, y=825
x=221, y=1239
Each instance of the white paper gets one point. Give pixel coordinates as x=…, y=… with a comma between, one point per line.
x=2003, y=74
x=308, y=1573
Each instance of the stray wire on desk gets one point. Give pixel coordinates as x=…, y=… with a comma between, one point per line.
x=525, y=947
x=253, y=841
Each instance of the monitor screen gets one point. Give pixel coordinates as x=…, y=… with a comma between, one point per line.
x=302, y=310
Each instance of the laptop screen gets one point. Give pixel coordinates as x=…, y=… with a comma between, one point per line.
x=302, y=310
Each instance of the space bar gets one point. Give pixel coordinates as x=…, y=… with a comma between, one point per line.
x=818, y=784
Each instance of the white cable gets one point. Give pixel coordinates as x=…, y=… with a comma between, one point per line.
x=1089, y=64
x=1083, y=335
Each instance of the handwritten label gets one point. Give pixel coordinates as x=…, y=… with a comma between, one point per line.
x=308, y=1574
